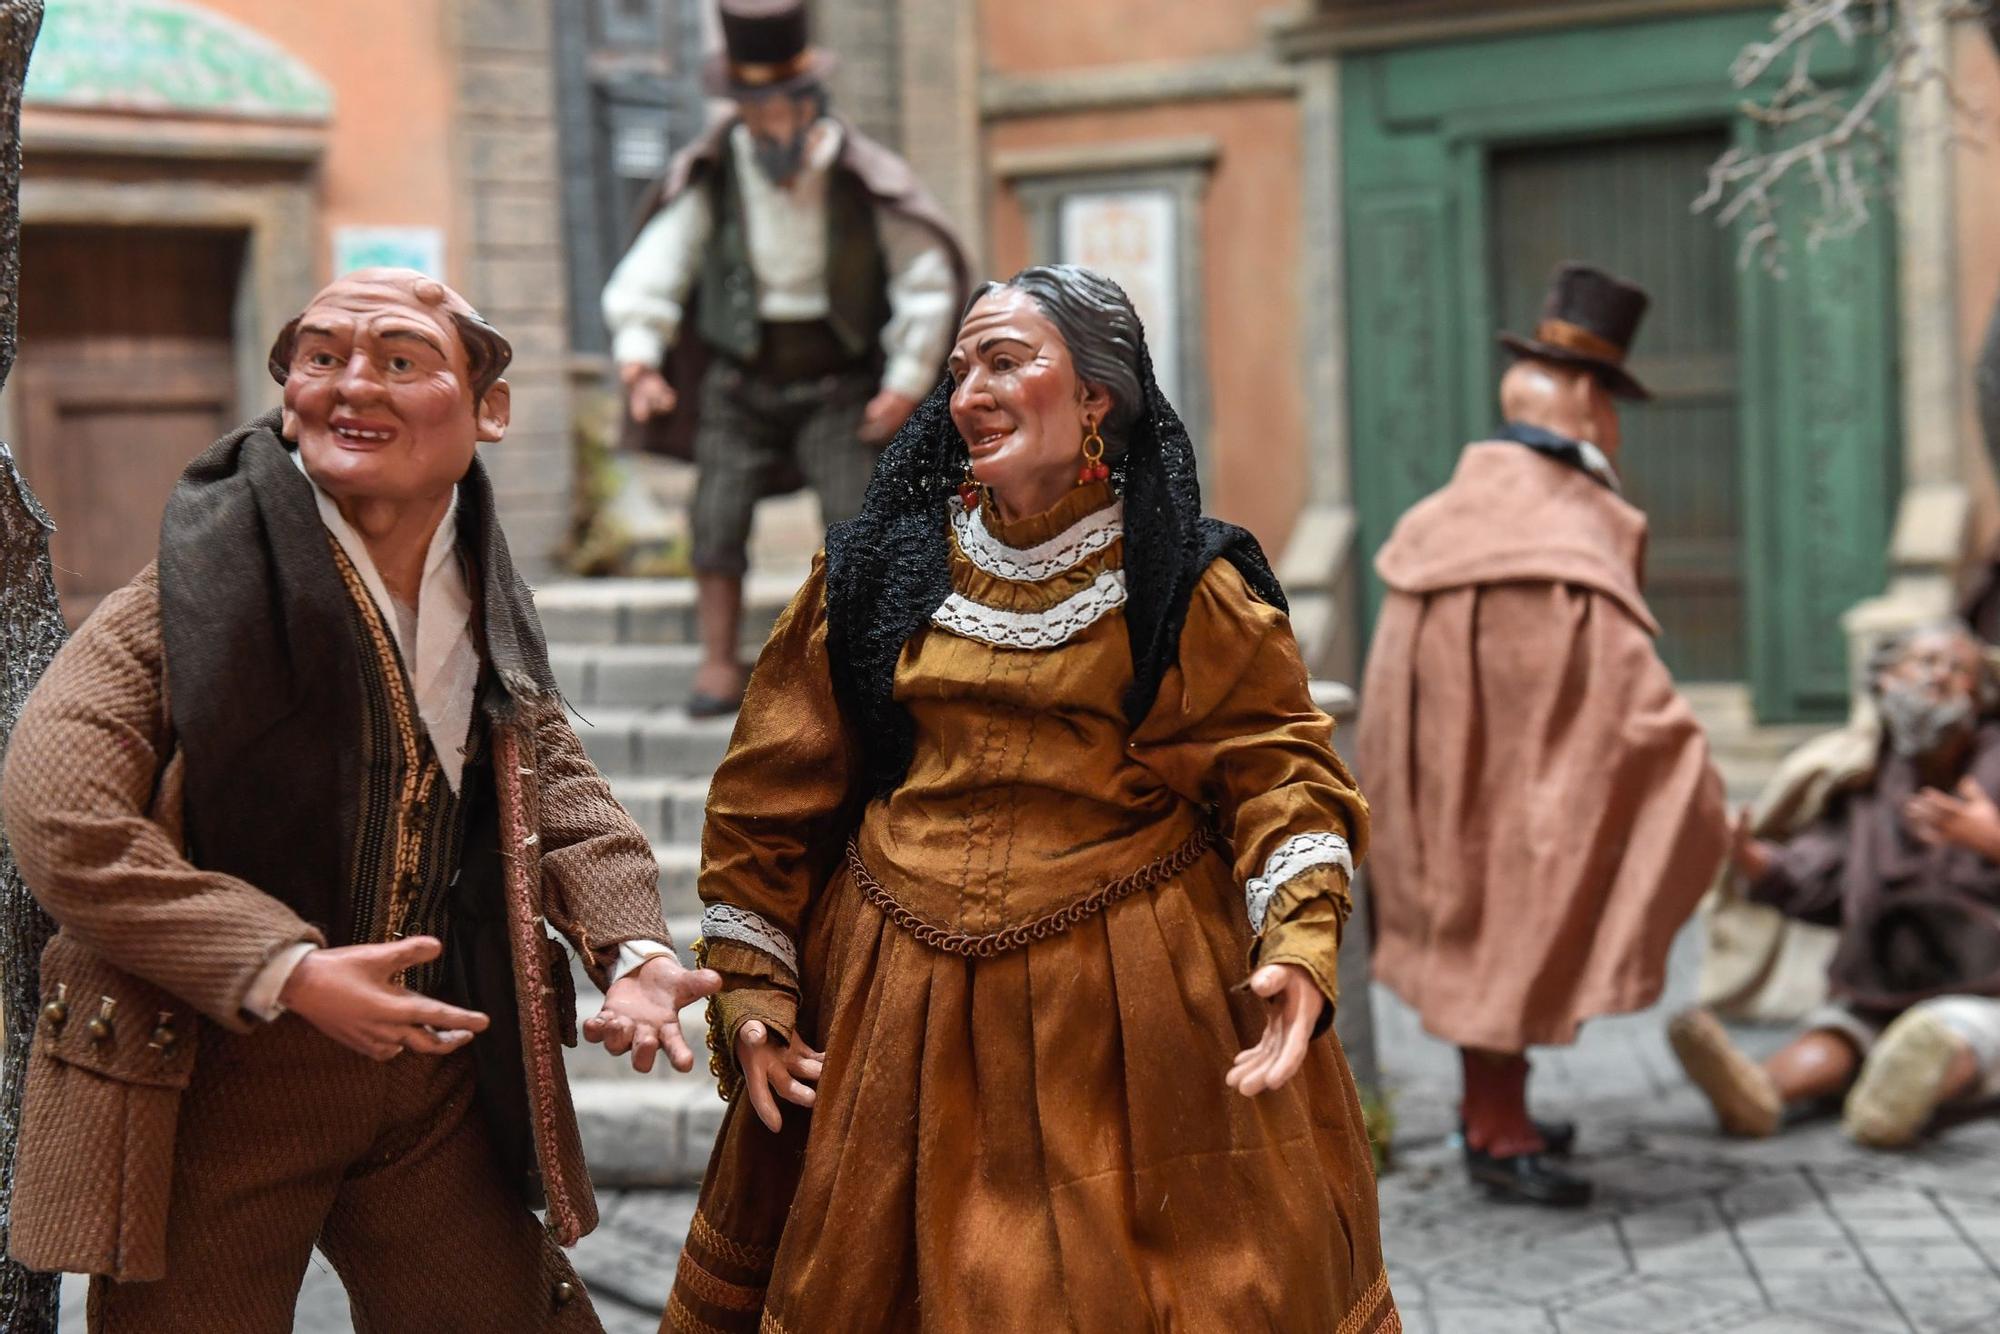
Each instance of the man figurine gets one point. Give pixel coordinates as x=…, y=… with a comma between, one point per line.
x=300, y=798
x=1907, y=866
x=1546, y=813
x=806, y=286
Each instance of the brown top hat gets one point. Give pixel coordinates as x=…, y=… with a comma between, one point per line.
x=766, y=50
x=1589, y=319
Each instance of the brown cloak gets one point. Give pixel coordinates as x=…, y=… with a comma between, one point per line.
x=1546, y=814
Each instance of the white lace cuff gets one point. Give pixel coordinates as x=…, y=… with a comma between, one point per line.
x=723, y=921
x=1298, y=853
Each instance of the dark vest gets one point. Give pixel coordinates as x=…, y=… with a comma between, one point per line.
x=857, y=272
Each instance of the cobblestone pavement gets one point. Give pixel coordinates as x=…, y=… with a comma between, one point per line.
x=1692, y=1234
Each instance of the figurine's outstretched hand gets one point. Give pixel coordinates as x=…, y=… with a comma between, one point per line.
x=647, y=393
x=350, y=994
x=768, y=1066
x=1291, y=1011
x=642, y=1012
x=884, y=416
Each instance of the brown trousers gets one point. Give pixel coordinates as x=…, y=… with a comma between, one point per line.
x=287, y=1140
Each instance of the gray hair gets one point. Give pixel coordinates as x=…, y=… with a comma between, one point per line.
x=1100, y=328
x=1891, y=647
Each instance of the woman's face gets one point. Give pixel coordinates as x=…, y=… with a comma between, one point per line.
x=1018, y=403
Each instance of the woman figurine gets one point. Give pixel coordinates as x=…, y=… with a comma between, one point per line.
x=1030, y=825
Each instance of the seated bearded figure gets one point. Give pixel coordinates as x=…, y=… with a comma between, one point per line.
x=1906, y=866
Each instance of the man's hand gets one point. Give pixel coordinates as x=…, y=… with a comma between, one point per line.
x=885, y=415
x=767, y=1067
x=1293, y=1002
x=1750, y=855
x=1968, y=820
x=347, y=994
x=647, y=393
x=642, y=1012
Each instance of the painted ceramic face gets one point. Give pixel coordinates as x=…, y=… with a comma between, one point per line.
x=1929, y=695
x=378, y=393
x=1017, y=402
x=781, y=128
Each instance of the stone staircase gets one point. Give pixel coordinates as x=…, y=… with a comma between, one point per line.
x=624, y=652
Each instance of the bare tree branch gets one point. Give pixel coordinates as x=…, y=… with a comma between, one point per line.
x=1830, y=141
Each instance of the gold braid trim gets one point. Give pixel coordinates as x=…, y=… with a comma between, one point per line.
x=728, y=1079
x=684, y=1321
x=418, y=777
x=994, y=943
x=757, y=1258
x=1375, y=1313
x=718, y=1291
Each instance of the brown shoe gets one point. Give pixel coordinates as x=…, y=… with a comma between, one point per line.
x=1901, y=1083
x=1743, y=1094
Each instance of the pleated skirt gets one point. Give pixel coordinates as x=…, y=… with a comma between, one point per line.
x=1042, y=1140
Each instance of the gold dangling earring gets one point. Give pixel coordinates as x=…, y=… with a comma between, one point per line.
x=1094, y=467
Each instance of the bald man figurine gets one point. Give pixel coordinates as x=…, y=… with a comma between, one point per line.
x=1545, y=812
x=302, y=994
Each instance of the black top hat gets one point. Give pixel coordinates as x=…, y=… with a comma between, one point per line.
x=766, y=50
x=1589, y=319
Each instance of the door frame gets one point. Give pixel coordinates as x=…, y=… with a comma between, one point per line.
x=1819, y=423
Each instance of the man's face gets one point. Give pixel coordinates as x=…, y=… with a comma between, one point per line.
x=379, y=395
x=779, y=125
x=1929, y=694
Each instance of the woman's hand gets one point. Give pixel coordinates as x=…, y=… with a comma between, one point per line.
x=1291, y=1011
x=1969, y=820
x=768, y=1067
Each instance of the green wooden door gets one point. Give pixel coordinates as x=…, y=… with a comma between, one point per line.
x=1622, y=202
x=1769, y=470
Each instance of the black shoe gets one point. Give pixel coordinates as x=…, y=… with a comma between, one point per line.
x=1559, y=1136
x=1529, y=1177
x=701, y=705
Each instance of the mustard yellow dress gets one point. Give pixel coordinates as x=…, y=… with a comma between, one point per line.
x=1022, y=1122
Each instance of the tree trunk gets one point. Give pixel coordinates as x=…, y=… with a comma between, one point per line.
x=31, y=629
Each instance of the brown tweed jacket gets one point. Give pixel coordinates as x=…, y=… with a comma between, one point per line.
x=154, y=946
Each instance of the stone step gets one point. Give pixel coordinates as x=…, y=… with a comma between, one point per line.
x=652, y=611
x=624, y=676
x=668, y=809
x=652, y=743
x=680, y=870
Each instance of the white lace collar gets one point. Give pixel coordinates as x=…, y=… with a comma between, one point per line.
x=1065, y=551
x=1048, y=628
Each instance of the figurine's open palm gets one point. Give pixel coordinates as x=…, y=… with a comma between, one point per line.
x=642, y=1012
x=786, y=1070
x=1291, y=1012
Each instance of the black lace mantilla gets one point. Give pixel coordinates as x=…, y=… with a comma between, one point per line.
x=889, y=568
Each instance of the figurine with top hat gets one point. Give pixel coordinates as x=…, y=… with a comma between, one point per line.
x=784, y=307
x=1546, y=812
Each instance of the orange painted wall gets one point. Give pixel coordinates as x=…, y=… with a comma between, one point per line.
x=388, y=159
x=1976, y=78
x=1250, y=248
x=1035, y=36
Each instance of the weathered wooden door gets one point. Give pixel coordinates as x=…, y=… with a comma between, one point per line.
x=1471, y=167
x=126, y=372
x=1622, y=204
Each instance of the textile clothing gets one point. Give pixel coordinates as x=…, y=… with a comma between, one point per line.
x=1915, y=921
x=1041, y=1137
x=1974, y=1019
x=753, y=426
x=649, y=292
x=290, y=1140
x=1546, y=812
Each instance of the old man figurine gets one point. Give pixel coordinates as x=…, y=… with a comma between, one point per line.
x=1546, y=813
x=301, y=797
x=1907, y=866
x=781, y=314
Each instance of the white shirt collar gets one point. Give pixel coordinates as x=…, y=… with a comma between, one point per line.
x=443, y=661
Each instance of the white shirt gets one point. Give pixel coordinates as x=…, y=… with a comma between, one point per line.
x=441, y=655
x=786, y=232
